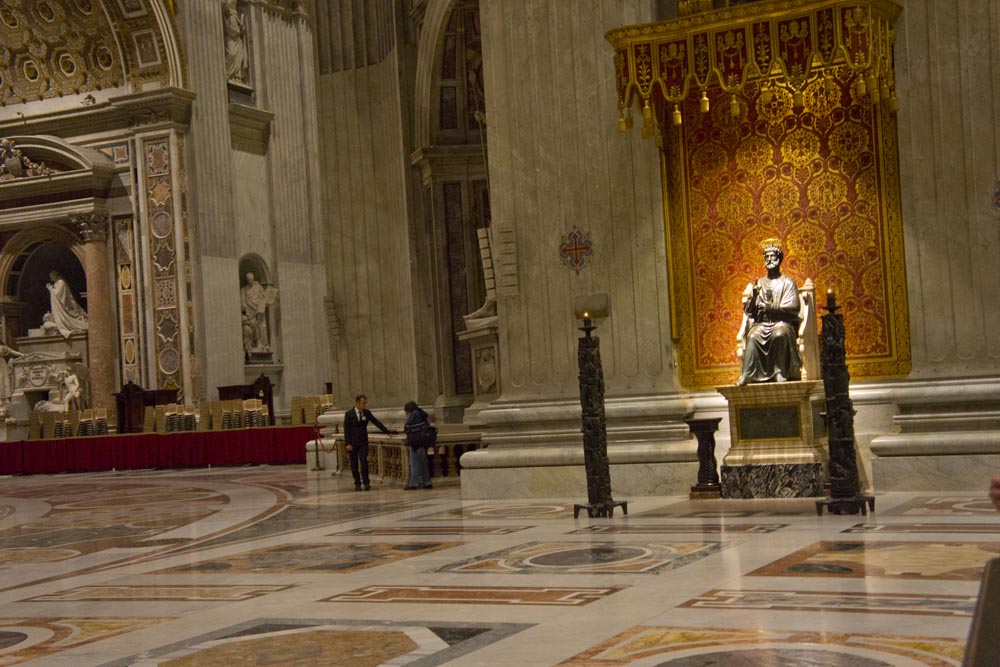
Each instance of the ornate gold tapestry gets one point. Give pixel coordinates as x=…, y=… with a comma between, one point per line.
x=823, y=178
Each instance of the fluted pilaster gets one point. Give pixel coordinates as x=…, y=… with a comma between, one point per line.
x=948, y=84
x=556, y=162
x=209, y=174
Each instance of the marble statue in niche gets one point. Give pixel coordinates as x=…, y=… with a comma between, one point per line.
x=67, y=315
x=255, y=299
x=771, y=323
x=234, y=29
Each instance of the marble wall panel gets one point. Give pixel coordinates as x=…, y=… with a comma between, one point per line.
x=367, y=231
x=223, y=349
x=556, y=161
x=949, y=89
x=300, y=328
x=253, y=202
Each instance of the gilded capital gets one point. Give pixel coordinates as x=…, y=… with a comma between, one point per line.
x=90, y=226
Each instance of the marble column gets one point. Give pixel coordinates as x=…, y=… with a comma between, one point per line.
x=101, y=336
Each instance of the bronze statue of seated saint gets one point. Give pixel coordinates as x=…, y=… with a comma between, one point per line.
x=771, y=324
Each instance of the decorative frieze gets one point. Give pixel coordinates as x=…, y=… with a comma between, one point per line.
x=126, y=277
x=157, y=166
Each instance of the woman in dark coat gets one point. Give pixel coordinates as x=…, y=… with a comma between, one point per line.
x=419, y=435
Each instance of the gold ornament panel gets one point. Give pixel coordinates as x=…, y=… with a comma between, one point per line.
x=824, y=179
x=53, y=48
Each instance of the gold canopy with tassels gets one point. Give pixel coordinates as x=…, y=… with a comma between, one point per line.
x=786, y=42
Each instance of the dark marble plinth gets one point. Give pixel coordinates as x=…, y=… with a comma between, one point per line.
x=786, y=480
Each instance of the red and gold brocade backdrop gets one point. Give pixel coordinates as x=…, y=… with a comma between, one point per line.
x=824, y=179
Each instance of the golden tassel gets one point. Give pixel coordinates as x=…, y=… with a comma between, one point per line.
x=797, y=99
x=828, y=84
x=648, y=127
x=647, y=113
x=766, y=96
x=734, y=106
x=704, y=102
x=860, y=89
x=893, y=102
x=677, y=115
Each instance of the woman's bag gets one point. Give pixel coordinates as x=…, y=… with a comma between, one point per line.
x=422, y=435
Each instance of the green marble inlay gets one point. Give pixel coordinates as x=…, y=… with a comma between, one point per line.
x=769, y=423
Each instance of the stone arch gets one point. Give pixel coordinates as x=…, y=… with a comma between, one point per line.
x=435, y=19
x=451, y=157
x=14, y=261
x=40, y=260
x=23, y=244
x=255, y=264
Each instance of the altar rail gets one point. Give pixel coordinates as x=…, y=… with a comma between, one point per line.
x=389, y=456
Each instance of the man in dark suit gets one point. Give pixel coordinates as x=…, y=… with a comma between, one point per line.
x=356, y=438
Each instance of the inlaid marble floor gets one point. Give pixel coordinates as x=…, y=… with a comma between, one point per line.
x=278, y=566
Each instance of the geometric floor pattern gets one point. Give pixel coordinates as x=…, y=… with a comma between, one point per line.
x=957, y=561
x=690, y=647
x=274, y=565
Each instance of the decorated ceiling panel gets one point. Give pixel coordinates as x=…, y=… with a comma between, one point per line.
x=54, y=48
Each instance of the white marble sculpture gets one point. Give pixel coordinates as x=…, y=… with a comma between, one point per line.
x=48, y=327
x=254, y=302
x=6, y=384
x=234, y=27
x=67, y=314
x=68, y=396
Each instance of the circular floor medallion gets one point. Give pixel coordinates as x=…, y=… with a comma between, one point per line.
x=775, y=657
x=589, y=555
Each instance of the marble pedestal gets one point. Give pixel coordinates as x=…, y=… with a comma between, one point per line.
x=56, y=346
x=778, y=441
x=483, y=342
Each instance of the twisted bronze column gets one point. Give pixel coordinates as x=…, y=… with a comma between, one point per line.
x=595, y=435
x=845, y=492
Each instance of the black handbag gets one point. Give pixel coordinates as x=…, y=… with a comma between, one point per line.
x=422, y=435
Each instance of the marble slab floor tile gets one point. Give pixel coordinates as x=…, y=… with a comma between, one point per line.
x=274, y=565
